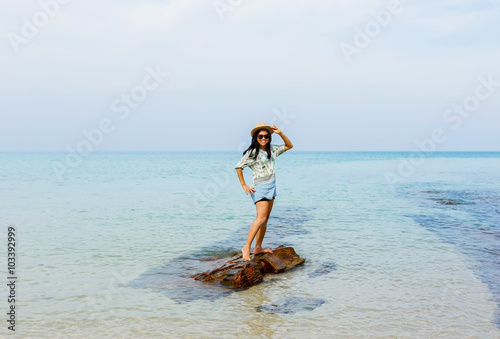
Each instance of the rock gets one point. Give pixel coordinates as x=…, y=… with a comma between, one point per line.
x=210, y=259
x=325, y=268
x=283, y=258
x=236, y=273
x=291, y=305
x=447, y=202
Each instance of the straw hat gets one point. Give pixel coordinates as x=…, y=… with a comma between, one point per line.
x=261, y=125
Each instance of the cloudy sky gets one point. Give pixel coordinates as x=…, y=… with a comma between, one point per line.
x=340, y=75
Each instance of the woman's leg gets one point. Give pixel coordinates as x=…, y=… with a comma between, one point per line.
x=263, y=211
x=261, y=233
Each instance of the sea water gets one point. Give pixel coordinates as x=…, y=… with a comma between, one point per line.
x=104, y=249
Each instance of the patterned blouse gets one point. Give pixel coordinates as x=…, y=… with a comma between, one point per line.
x=262, y=167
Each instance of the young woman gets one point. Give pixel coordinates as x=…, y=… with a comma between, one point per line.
x=261, y=156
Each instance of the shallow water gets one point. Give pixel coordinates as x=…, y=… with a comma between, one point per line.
x=105, y=252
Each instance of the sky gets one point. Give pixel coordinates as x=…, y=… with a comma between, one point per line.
x=338, y=75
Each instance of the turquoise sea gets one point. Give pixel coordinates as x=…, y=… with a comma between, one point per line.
x=394, y=248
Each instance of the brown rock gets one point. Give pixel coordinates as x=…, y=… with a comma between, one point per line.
x=236, y=273
x=282, y=258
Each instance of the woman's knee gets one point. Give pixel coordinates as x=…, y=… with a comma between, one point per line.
x=262, y=219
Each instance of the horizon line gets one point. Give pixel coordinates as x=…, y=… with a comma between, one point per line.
x=186, y=151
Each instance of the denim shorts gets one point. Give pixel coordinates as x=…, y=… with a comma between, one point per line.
x=264, y=191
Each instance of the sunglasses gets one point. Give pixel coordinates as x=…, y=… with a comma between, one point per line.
x=263, y=136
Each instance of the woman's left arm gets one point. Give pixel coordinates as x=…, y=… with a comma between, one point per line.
x=288, y=143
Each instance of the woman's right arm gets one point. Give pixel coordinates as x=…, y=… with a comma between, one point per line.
x=247, y=189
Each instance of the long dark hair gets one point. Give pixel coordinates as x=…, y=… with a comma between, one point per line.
x=255, y=145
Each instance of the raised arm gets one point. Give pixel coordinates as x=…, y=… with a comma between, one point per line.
x=288, y=143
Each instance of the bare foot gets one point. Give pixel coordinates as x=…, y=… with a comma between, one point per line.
x=246, y=254
x=258, y=250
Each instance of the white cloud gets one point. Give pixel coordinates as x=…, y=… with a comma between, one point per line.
x=153, y=16
x=451, y=23
x=268, y=52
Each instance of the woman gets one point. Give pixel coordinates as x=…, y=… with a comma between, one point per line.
x=261, y=156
